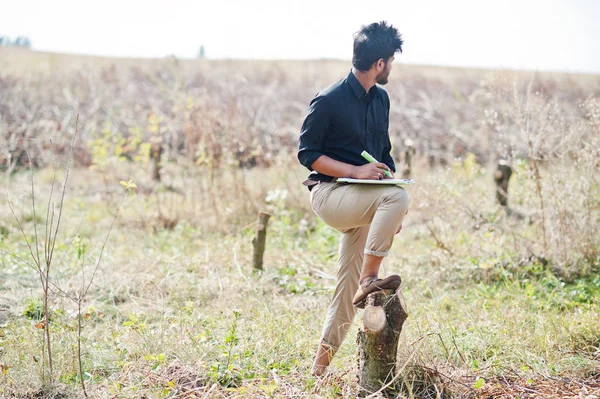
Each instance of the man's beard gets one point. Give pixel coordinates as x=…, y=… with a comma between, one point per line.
x=383, y=77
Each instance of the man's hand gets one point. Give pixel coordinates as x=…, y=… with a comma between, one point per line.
x=370, y=171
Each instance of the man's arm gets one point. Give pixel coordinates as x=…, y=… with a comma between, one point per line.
x=313, y=132
x=333, y=168
x=387, y=156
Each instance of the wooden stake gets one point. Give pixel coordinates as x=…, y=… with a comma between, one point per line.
x=156, y=152
x=260, y=239
x=377, y=339
x=409, y=153
x=501, y=177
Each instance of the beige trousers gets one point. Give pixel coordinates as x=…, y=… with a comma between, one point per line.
x=368, y=217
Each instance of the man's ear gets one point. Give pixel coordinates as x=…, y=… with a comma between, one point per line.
x=380, y=64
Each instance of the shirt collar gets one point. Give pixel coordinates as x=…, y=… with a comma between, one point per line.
x=359, y=90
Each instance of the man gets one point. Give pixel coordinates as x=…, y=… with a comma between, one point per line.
x=348, y=117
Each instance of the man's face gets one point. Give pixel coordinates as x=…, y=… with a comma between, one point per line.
x=382, y=77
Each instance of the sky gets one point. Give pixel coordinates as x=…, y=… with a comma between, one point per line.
x=556, y=35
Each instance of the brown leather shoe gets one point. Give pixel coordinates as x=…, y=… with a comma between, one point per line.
x=389, y=283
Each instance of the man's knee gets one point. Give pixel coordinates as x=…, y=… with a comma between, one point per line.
x=399, y=199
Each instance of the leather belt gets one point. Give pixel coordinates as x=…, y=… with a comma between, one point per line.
x=310, y=184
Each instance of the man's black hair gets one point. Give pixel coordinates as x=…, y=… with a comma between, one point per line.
x=375, y=41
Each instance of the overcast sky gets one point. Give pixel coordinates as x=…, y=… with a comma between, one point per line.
x=532, y=34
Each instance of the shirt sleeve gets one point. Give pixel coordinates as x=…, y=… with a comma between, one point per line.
x=387, y=148
x=313, y=132
x=387, y=157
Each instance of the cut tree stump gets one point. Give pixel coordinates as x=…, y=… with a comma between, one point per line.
x=501, y=177
x=384, y=315
x=259, y=240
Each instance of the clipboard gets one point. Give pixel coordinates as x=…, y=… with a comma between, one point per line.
x=395, y=182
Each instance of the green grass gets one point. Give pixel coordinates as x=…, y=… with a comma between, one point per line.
x=181, y=311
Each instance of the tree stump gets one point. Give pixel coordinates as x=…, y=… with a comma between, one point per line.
x=260, y=239
x=501, y=177
x=377, y=339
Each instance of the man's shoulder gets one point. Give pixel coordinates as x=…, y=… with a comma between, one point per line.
x=333, y=89
x=383, y=92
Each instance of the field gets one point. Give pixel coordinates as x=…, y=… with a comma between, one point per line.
x=151, y=291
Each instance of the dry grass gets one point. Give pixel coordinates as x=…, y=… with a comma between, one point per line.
x=175, y=311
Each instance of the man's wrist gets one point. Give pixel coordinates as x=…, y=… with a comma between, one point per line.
x=352, y=171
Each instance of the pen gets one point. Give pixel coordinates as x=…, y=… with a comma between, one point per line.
x=370, y=158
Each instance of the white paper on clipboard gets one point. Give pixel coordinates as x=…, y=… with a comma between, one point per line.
x=395, y=182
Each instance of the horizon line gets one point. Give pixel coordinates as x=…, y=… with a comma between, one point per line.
x=233, y=58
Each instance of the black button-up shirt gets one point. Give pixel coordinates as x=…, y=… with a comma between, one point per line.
x=342, y=122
